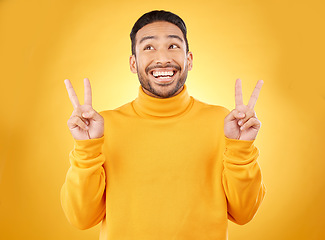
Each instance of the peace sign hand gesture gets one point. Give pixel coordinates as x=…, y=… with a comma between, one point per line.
x=242, y=123
x=85, y=122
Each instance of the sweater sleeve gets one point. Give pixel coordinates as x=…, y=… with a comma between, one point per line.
x=242, y=180
x=83, y=192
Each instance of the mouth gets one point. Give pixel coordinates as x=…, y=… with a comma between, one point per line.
x=163, y=75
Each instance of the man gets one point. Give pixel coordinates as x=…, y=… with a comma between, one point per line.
x=165, y=166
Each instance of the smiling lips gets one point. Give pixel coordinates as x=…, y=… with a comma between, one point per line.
x=163, y=75
x=159, y=74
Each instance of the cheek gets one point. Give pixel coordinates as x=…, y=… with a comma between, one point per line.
x=182, y=59
x=142, y=62
x=183, y=63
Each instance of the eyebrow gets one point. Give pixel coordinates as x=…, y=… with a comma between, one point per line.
x=146, y=38
x=154, y=37
x=176, y=36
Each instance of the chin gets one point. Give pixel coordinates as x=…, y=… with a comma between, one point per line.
x=165, y=90
x=162, y=88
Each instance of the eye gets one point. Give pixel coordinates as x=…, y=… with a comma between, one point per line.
x=173, y=46
x=148, y=47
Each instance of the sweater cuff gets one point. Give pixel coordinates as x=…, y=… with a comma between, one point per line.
x=88, y=149
x=240, y=152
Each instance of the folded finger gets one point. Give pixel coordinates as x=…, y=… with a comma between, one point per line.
x=92, y=114
x=249, y=114
x=252, y=122
x=234, y=114
x=76, y=121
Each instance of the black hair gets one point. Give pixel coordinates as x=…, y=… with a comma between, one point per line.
x=157, y=16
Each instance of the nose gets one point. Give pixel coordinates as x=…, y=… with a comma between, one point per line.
x=162, y=57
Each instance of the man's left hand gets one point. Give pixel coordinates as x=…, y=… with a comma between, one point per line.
x=242, y=123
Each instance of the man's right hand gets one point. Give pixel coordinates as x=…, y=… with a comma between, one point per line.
x=85, y=122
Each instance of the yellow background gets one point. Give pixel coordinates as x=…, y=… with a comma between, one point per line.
x=44, y=42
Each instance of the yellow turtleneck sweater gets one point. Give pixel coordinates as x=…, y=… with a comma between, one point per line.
x=163, y=170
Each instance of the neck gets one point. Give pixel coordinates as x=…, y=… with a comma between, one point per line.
x=150, y=106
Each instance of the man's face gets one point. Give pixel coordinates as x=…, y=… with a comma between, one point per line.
x=161, y=61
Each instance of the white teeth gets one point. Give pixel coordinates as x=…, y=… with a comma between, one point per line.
x=163, y=74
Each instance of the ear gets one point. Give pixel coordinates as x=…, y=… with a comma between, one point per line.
x=189, y=60
x=133, y=64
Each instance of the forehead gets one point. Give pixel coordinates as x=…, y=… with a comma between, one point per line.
x=159, y=30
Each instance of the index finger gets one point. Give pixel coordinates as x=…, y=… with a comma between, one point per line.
x=238, y=93
x=256, y=92
x=72, y=94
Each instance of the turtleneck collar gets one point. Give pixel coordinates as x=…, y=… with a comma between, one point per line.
x=147, y=106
